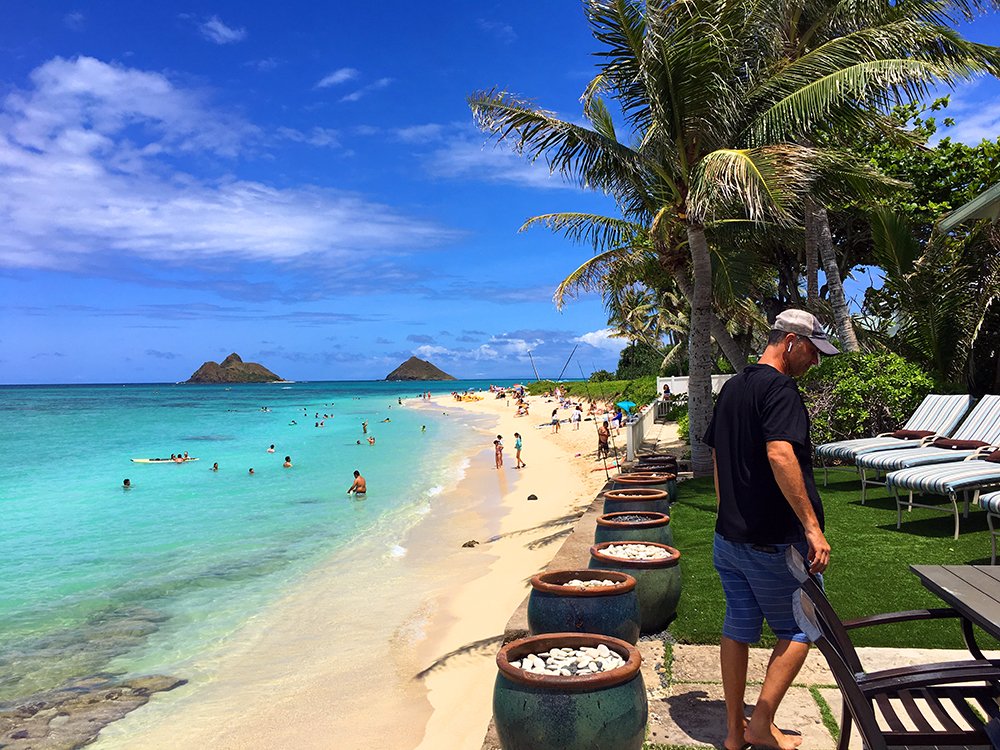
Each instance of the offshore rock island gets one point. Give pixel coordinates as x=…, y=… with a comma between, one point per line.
x=233, y=370
x=418, y=369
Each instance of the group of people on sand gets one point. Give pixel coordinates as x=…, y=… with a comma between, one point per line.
x=498, y=451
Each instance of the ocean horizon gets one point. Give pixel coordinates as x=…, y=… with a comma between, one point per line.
x=97, y=580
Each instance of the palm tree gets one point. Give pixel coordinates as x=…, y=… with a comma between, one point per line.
x=717, y=118
x=919, y=30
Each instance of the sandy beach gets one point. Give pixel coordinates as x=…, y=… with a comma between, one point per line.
x=400, y=652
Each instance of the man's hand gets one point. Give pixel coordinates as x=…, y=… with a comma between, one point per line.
x=819, y=551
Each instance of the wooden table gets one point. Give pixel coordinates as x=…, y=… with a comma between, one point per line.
x=973, y=591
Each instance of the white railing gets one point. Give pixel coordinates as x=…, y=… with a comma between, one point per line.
x=635, y=428
x=679, y=384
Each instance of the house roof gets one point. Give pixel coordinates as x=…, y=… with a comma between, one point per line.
x=984, y=206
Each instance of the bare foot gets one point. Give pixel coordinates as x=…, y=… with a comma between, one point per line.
x=775, y=739
x=733, y=742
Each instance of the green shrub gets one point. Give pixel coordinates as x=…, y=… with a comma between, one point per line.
x=641, y=390
x=601, y=376
x=684, y=427
x=861, y=395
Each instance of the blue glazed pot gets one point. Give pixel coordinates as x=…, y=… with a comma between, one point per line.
x=658, y=583
x=650, y=479
x=641, y=499
x=655, y=527
x=603, y=711
x=606, y=610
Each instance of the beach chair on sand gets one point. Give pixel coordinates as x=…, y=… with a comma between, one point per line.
x=991, y=503
x=980, y=429
x=937, y=416
x=977, y=472
x=943, y=705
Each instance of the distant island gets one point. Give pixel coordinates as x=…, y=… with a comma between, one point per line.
x=418, y=369
x=233, y=370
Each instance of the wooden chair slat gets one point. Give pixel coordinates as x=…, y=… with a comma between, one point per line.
x=915, y=712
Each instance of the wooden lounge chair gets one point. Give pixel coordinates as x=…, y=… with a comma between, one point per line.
x=977, y=472
x=937, y=416
x=947, y=704
x=979, y=430
x=991, y=503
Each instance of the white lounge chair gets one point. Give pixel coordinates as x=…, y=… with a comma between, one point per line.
x=991, y=503
x=979, y=430
x=937, y=415
x=977, y=472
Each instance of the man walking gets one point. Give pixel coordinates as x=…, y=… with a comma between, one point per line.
x=767, y=500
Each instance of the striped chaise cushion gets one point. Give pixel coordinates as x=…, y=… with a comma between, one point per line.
x=983, y=424
x=895, y=460
x=937, y=413
x=940, y=480
x=991, y=502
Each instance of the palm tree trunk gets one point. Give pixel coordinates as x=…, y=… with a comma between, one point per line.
x=812, y=264
x=732, y=351
x=700, y=351
x=841, y=314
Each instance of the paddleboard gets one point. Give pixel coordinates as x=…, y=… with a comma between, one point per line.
x=161, y=460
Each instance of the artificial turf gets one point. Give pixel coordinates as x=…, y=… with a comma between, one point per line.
x=869, y=570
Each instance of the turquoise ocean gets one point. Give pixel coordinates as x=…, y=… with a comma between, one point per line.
x=97, y=581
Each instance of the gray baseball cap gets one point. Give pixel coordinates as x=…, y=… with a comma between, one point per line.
x=805, y=324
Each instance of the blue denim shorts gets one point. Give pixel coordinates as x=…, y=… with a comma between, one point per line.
x=758, y=586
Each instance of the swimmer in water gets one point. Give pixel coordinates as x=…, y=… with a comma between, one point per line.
x=251, y=472
x=271, y=449
x=215, y=466
x=360, y=487
x=371, y=441
x=127, y=484
x=288, y=462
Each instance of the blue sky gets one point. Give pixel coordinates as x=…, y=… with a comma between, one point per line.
x=297, y=182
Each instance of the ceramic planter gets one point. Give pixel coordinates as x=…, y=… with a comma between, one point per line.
x=658, y=583
x=606, y=610
x=652, y=480
x=645, y=499
x=654, y=527
x=603, y=711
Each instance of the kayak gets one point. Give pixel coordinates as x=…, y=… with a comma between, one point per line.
x=161, y=460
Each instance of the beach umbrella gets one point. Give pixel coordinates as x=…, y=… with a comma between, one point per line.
x=626, y=405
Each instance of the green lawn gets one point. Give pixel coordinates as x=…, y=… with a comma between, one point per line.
x=869, y=572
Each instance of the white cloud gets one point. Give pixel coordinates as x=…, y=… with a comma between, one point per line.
x=214, y=30
x=74, y=21
x=601, y=339
x=465, y=156
x=88, y=169
x=976, y=111
x=502, y=31
x=381, y=83
x=341, y=75
x=316, y=136
x=420, y=133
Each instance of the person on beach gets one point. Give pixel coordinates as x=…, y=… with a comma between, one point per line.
x=288, y=462
x=767, y=501
x=127, y=484
x=360, y=487
x=271, y=449
x=603, y=435
x=518, y=463
x=577, y=417
x=215, y=466
x=498, y=453
x=555, y=421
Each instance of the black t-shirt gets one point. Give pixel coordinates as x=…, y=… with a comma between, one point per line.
x=755, y=407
